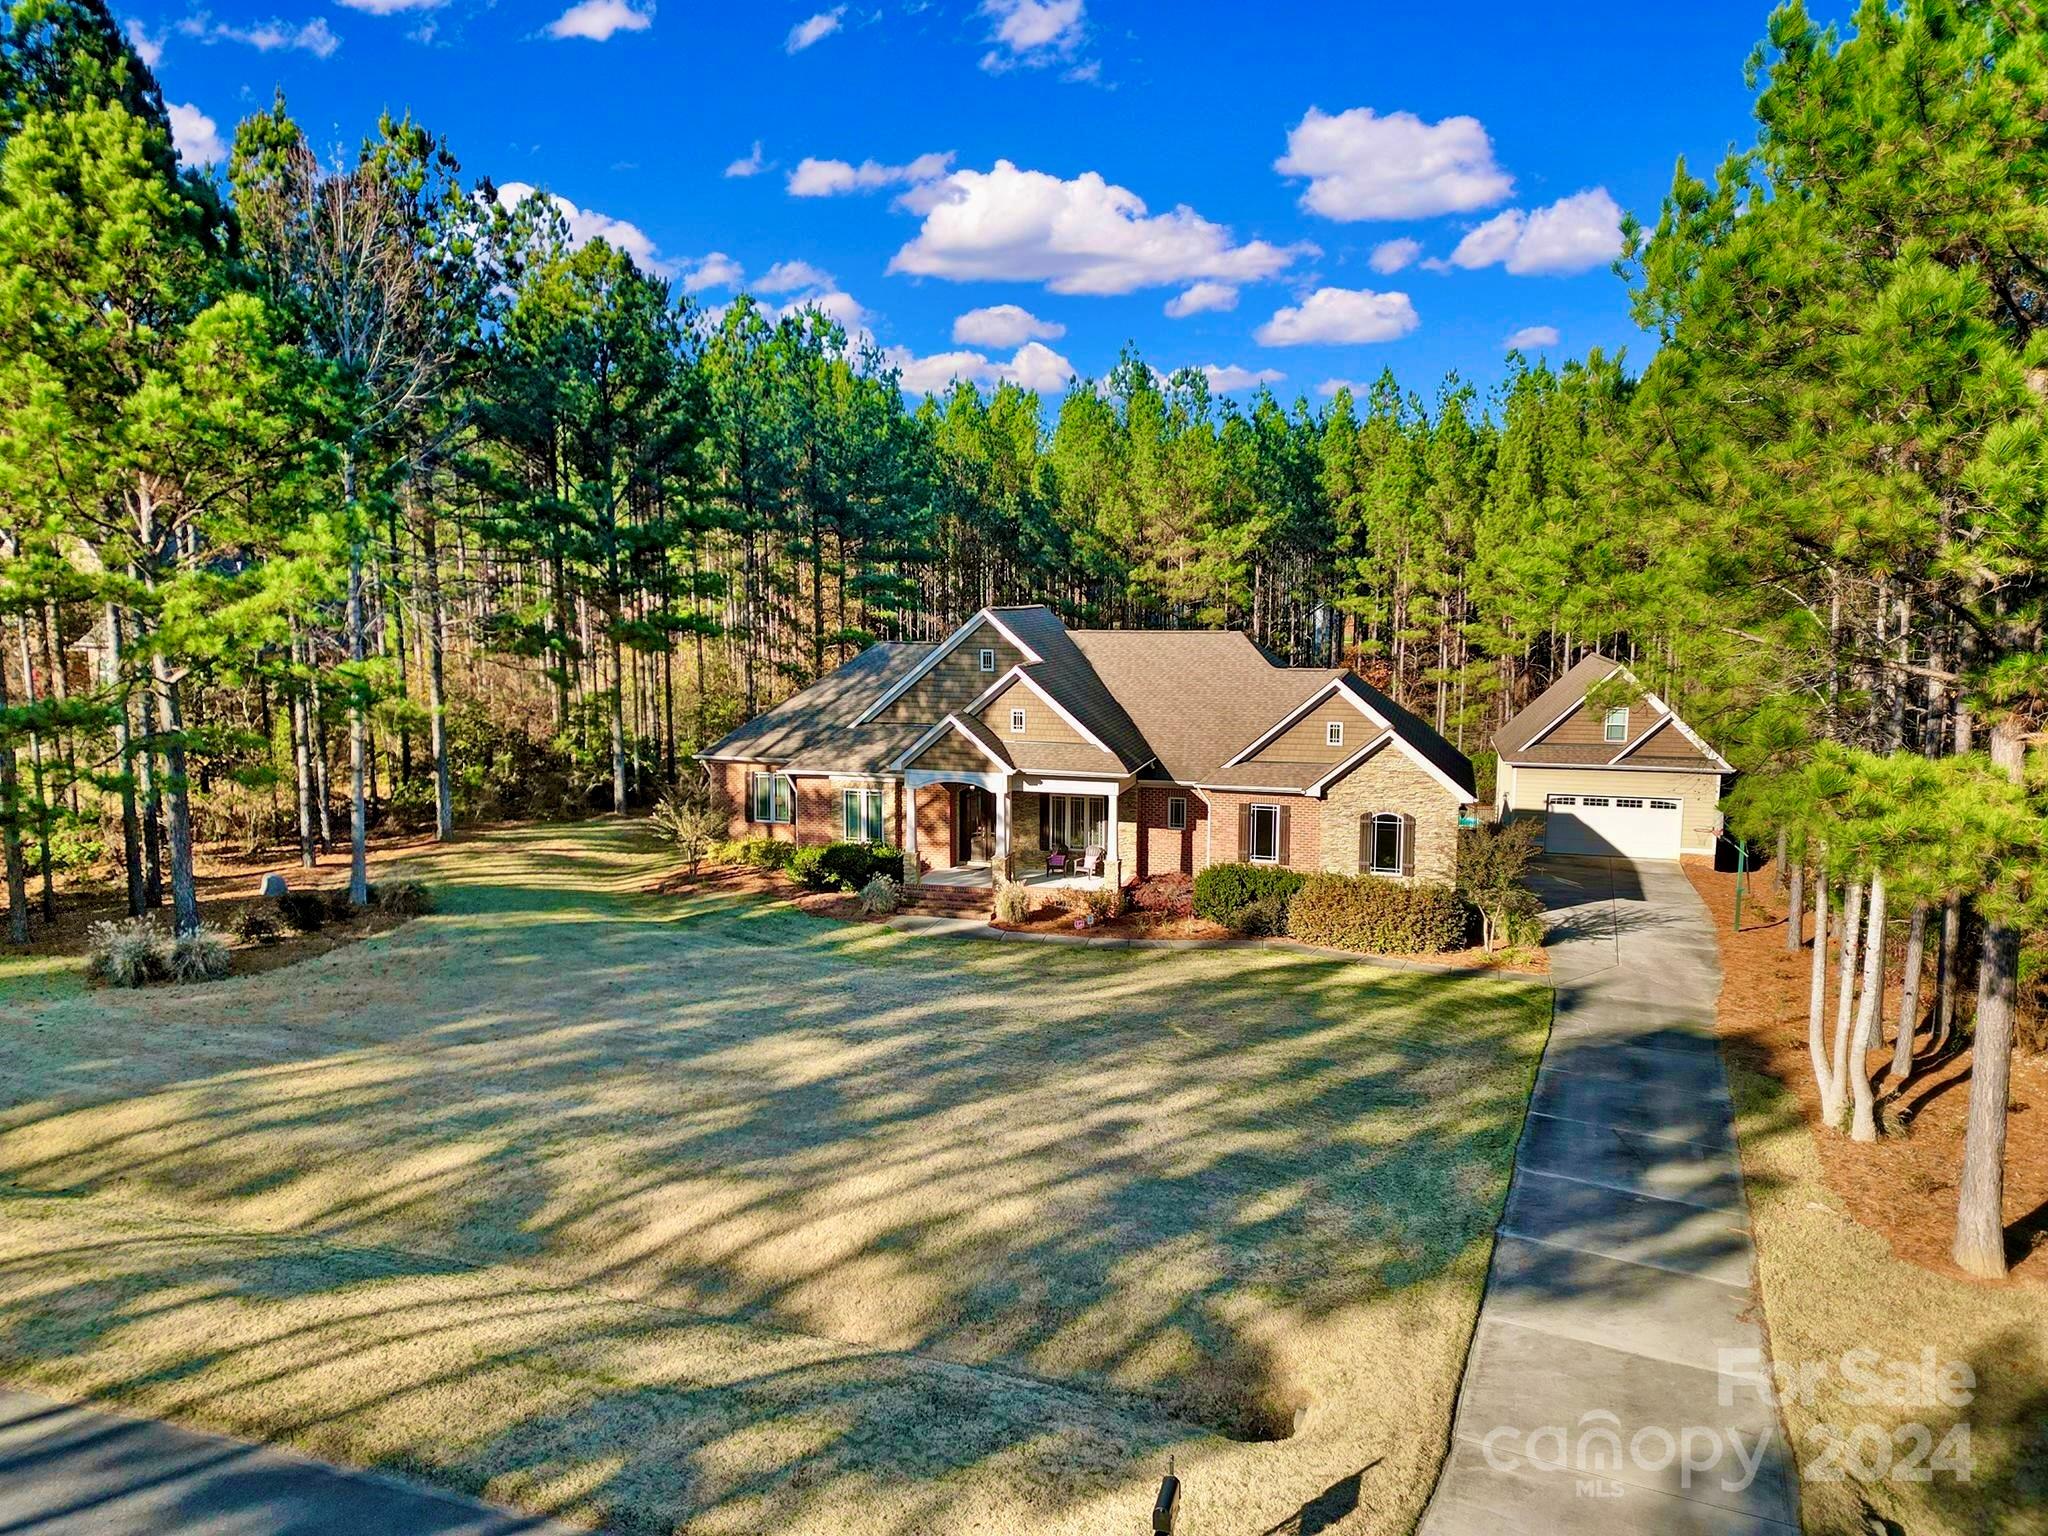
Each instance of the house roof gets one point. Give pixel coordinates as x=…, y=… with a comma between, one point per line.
x=1662, y=741
x=1174, y=705
x=819, y=722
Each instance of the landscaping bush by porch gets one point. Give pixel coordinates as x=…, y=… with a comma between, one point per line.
x=1222, y=889
x=1378, y=917
x=844, y=866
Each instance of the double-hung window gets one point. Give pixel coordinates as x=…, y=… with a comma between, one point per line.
x=1616, y=724
x=1264, y=829
x=771, y=798
x=988, y=659
x=1383, y=844
x=860, y=816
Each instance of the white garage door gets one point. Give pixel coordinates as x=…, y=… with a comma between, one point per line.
x=1635, y=826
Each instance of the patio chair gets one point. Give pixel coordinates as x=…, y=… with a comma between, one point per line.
x=1091, y=860
x=1056, y=860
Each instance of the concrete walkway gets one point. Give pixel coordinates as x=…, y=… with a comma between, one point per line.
x=1608, y=1389
x=66, y=1470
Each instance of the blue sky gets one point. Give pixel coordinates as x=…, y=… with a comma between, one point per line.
x=1301, y=193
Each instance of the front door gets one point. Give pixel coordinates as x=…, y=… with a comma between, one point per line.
x=974, y=815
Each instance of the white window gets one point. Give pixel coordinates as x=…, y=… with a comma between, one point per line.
x=1629, y=805
x=771, y=798
x=1594, y=800
x=1265, y=834
x=1333, y=733
x=1663, y=805
x=860, y=816
x=1017, y=721
x=1616, y=725
x=1176, y=813
x=1384, y=844
x=988, y=659
x=1563, y=799
x=1077, y=822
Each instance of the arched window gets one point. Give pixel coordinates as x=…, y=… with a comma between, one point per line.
x=1385, y=837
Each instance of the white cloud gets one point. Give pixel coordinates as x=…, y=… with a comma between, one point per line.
x=148, y=49
x=1004, y=325
x=1570, y=235
x=196, y=135
x=1032, y=32
x=842, y=306
x=830, y=178
x=1034, y=366
x=1390, y=256
x=1339, y=316
x=787, y=276
x=391, y=7
x=314, y=37
x=749, y=164
x=1531, y=336
x=1330, y=387
x=1363, y=166
x=1079, y=236
x=1229, y=378
x=597, y=20
x=713, y=270
x=586, y=225
x=816, y=29
x=1201, y=298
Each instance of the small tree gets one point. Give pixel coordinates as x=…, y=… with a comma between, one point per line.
x=1493, y=862
x=691, y=826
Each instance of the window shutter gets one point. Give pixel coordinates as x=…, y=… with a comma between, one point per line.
x=1285, y=851
x=1044, y=822
x=753, y=797
x=1244, y=832
x=1365, y=844
x=1407, y=844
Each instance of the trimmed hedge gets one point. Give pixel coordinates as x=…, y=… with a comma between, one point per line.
x=763, y=853
x=1379, y=917
x=1223, y=889
x=845, y=866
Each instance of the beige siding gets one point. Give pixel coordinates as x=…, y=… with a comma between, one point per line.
x=1585, y=727
x=1701, y=793
x=1390, y=780
x=1041, y=721
x=1306, y=741
x=954, y=752
x=955, y=682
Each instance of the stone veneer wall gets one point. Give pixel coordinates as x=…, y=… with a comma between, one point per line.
x=1390, y=781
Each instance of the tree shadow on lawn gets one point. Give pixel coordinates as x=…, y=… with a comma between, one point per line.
x=1019, y=1211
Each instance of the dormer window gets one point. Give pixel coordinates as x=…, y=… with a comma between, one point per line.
x=1017, y=722
x=1616, y=724
x=1333, y=733
x=988, y=659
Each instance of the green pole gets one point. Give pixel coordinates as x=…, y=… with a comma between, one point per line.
x=1741, y=878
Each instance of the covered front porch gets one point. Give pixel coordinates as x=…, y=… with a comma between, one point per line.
x=964, y=828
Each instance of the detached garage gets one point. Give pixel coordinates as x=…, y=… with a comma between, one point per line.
x=1621, y=776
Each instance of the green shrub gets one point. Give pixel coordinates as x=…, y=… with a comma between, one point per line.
x=1261, y=918
x=1379, y=917
x=878, y=897
x=1101, y=902
x=689, y=826
x=844, y=866
x=303, y=911
x=201, y=955
x=402, y=898
x=257, y=923
x=1222, y=889
x=762, y=853
x=127, y=953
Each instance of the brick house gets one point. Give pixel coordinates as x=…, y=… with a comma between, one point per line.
x=1016, y=738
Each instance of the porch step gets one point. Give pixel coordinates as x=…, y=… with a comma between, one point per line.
x=948, y=898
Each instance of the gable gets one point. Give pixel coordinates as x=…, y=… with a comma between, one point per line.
x=953, y=753
x=1586, y=726
x=1670, y=747
x=1042, y=723
x=956, y=680
x=1308, y=739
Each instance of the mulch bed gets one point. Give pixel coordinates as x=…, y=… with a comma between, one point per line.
x=1902, y=1186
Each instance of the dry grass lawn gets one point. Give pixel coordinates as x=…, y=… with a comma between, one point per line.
x=702, y=1213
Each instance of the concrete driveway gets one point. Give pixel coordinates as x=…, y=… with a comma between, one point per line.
x=1612, y=1385
x=67, y=1470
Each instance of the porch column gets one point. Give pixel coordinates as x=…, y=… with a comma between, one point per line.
x=1112, y=875
x=910, y=864
x=1002, y=860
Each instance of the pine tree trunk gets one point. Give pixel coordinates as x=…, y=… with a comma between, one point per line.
x=124, y=753
x=1817, y=995
x=1837, y=1093
x=358, y=720
x=302, y=761
x=1795, y=908
x=10, y=835
x=618, y=729
x=1948, y=973
x=1909, y=997
x=1781, y=870
x=35, y=768
x=1980, y=1202
x=437, y=688
x=1864, y=1127
x=177, y=800
x=149, y=783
